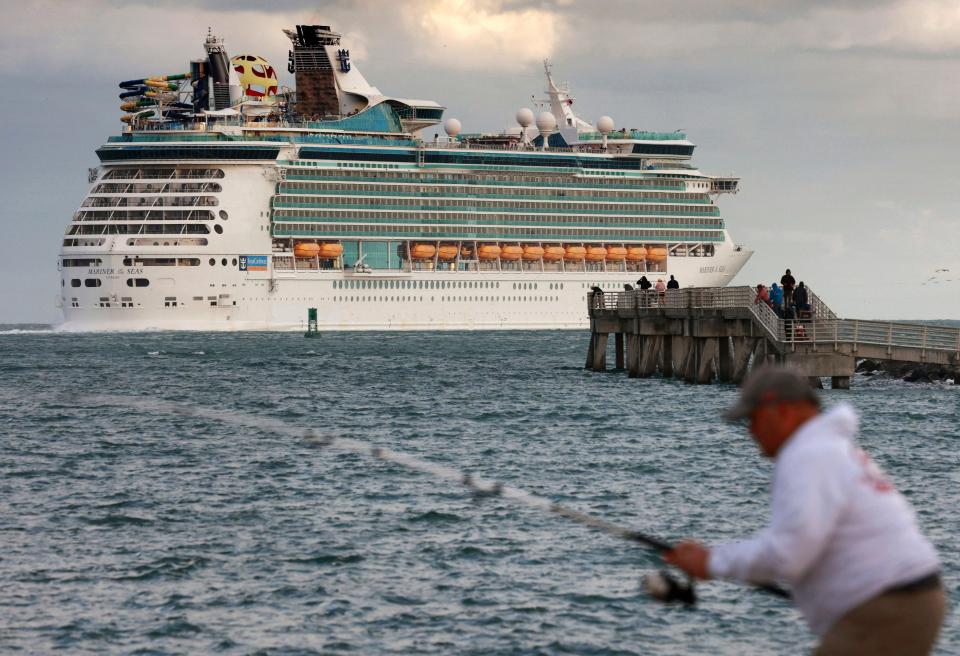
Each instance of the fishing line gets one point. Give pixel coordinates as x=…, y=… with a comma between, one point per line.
x=662, y=585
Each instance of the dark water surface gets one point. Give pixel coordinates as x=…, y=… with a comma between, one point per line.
x=127, y=531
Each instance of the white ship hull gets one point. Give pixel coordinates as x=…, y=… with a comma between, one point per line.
x=231, y=300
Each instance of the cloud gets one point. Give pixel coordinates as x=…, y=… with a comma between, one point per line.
x=481, y=34
x=126, y=40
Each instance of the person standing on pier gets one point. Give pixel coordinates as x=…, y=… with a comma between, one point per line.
x=673, y=283
x=865, y=578
x=788, y=282
x=800, y=299
x=776, y=299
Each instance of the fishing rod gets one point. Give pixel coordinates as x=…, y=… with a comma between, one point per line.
x=660, y=585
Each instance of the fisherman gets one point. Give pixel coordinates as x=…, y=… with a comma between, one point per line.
x=597, y=296
x=864, y=577
x=645, y=286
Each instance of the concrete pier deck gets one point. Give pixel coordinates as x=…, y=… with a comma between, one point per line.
x=717, y=333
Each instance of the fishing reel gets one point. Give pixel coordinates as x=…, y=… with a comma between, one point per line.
x=664, y=587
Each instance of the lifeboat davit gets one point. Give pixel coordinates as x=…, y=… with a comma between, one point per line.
x=553, y=253
x=422, y=251
x=616, y=253
x=510, y=252
x=532, y=253
x=306, y=249
x=447, y=252
x=657, y=253
x=488, y=252
x=636, y=253
x=466, y=253
x=574, y=253
x=596, y=253
x=330, y=251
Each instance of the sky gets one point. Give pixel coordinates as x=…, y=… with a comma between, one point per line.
x=840, y=117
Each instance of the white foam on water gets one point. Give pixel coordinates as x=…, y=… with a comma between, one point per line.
x=27, y=331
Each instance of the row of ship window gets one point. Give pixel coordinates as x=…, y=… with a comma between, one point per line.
x=436, y=284
x=445, y=299
x=472, y=190
x=488, y=178
x=140, y=229
x=127, y=301
x=161, y=173
x=156, y=187
x=632, y=208
x=472, y=218
x=154, y=214
x=150, y=201
x=285, y=229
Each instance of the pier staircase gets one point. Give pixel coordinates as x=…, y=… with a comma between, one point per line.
x=717, y=333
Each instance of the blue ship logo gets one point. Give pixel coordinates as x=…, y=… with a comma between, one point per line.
x=344, y=57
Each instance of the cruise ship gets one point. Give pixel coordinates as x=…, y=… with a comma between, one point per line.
x=232, y=202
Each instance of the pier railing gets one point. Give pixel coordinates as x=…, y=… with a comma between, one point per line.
x=822, y=327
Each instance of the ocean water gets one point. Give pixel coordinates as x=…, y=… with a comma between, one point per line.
x=130, y=530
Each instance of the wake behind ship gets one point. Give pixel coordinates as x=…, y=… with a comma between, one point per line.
x=230, y=202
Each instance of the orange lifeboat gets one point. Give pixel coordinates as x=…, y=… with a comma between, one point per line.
x=636, y=253
x=532, y=253
x=306, y=249
x=574, y=253
x=553, y=253
x=422, y=251
x=510, y=252
x=616, y=253
x=330, y=251
x=488, y=252
x=596, y=253
x=657, y=253
x=447, y=252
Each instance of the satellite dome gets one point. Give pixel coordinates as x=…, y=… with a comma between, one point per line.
x=257, y=77
x=605, y=125
x=546, y=122
x=452, y=127
x=524, y=117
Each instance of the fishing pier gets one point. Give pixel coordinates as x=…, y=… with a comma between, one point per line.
x=711, y=334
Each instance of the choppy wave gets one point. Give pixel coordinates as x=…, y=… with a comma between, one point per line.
x=135, y=529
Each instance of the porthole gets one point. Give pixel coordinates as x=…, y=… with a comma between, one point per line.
x=223, y=215
x=218, y=229
x=212, y=261
x=233, y=261
x=223, y=261
x=75, y=282
x=92, y=282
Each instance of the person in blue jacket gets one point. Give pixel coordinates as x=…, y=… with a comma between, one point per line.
x=776, y=298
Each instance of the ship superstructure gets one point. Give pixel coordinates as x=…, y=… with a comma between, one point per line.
x=232, y=202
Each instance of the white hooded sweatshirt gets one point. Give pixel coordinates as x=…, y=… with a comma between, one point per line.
x=839, y=532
